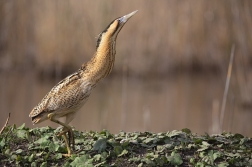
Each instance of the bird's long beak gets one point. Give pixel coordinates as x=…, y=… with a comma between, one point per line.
x=125, y=18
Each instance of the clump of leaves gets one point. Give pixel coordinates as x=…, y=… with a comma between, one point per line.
x=41, y=147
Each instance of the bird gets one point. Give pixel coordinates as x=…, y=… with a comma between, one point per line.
x=70, y=94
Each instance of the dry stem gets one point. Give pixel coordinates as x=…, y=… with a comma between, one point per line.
x=6, y=123
x=223, y=105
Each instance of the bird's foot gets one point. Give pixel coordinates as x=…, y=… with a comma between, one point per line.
x=66, y=155
x=69, y=154
x=62, y=133
x=70, y=137
x=50, y=116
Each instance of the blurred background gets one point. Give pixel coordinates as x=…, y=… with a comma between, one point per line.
x=170, y=69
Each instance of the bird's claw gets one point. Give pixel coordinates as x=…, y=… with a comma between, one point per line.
x=70, y=137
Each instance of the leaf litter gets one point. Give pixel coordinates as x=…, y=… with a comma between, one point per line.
x=41, y=147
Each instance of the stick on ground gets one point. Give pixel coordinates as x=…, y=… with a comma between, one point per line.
x=6, y=123
x=223, y=106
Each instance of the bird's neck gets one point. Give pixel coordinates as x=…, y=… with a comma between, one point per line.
x=103, y=61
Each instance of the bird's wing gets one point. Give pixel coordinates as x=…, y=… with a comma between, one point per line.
x=62, y=96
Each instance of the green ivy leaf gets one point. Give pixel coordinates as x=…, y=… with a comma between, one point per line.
x=53, y=147
x=124, y=152
x=238, y=136
x=21, y=127
x=44, y=164
x=22, y=134
x=148, y=140
x=2, y=143
x=186, y=130
x=33, y=164
x=19, y=151
x=217, y=155
x=97, y=157
x=58, y=156
x=118, y=150
x=100, y=145
x=223, y=164
x=31, y=157
x=174, y=133
x=42, y=140
x=82, y=161
x=175, y=159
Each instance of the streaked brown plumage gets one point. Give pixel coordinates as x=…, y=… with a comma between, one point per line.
x=70, y=94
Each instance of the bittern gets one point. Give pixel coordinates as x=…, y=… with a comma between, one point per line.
x=70, y=94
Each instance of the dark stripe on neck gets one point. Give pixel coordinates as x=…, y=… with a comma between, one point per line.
x=104, y=31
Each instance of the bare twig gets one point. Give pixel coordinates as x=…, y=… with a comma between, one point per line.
x=231, y=115
x=6, y=123
x=216, y=117
x=223, y=105
x=124, y=93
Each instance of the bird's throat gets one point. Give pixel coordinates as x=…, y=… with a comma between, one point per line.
x=103, y=61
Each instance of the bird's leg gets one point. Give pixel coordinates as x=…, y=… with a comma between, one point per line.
x=67, y=145
x=69, y=118
x=63, y=132
x=70, y=138
x=67, y=128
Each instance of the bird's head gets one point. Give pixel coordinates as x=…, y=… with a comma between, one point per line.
x=112, y=30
